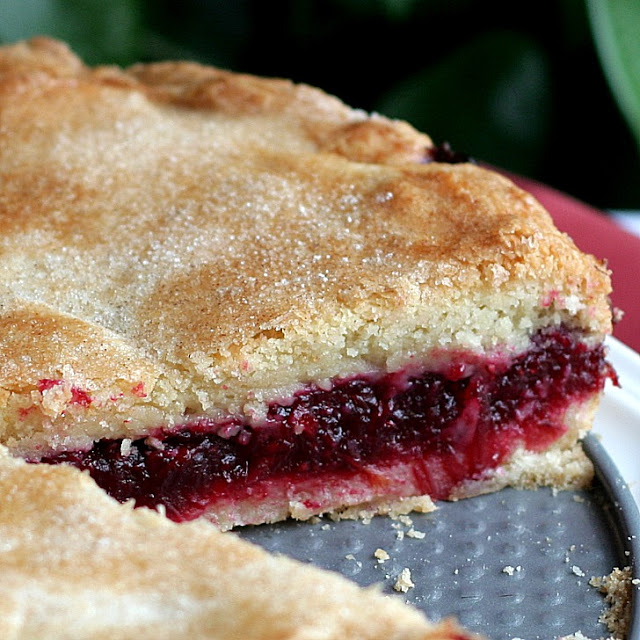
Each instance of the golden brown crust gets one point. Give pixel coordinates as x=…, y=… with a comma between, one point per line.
x=25, y=60
x=197, y=241
x=76, y=564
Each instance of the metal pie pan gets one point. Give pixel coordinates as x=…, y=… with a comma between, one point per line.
x=513, y=564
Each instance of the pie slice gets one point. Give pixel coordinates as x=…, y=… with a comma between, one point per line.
x=75, y=564
x=239, y=299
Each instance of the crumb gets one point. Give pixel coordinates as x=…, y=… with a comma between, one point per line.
x=381, y=555
x=400, y=535
x=566, y=557
x=406, y=520
x=404, y=582
x=325, y=527
x=413, y=533
x=509, y=570
x=577, y=498
x=617, y=589
x=578, y=571
x=355, y=560
x=125, y=447
x=456, y=572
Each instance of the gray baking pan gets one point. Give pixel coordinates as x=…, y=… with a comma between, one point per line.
x=514, y=564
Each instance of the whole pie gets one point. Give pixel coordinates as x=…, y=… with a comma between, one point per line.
x=236, y=298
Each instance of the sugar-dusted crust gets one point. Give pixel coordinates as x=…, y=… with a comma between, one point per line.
x=76, y=564
x=182, y=240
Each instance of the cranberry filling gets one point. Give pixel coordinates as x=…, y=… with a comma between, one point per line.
x=450, y=427
x=445, y=154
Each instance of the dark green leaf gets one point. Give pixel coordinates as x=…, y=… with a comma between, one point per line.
x=616, y=30
x=98, y=31
x=490, y=98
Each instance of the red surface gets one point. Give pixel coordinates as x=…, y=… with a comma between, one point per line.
x=594, y=232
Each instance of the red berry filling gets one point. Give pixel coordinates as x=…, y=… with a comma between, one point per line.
x=450, y=427
x=444, y=153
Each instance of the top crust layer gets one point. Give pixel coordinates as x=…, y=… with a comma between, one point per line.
x=179, y=239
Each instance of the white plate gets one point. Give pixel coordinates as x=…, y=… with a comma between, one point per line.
x=618, y=420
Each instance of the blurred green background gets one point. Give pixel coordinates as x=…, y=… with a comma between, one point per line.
x=544, y=89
